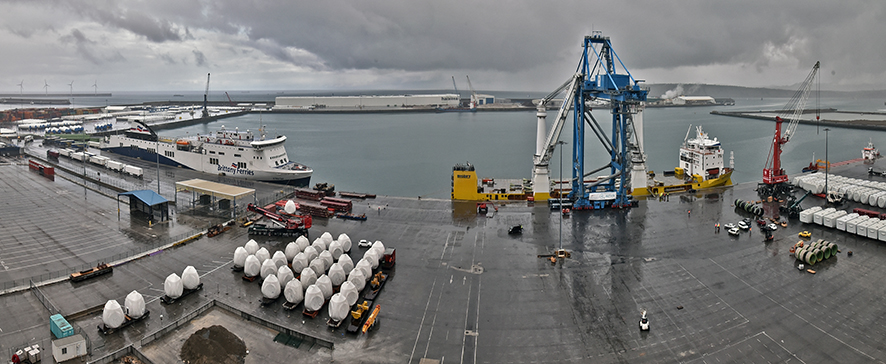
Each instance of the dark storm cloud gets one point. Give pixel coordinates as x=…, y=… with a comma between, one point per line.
x=199, y=58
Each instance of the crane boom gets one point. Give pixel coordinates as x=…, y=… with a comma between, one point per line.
x=206, y=98
x=473, y=94
x=454, y=86
x=553, y=136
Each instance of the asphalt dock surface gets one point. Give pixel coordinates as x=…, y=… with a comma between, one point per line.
x=465, y=291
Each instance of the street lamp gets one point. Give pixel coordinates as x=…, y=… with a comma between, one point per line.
x=560, y=192
x=827, y=162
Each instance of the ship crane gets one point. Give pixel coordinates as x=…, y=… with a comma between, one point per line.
x=597, y=77
x=474, y=99
x=774, y=177
x=205, y=98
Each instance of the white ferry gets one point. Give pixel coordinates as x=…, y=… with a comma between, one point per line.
x=228, y=153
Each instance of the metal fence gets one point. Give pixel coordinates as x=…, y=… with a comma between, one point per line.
x=51, y=307
x=129, y=350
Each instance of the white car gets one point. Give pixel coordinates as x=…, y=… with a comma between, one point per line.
x=743, y=225
x=729, y=225
x=772, y=227
x=364, y=243
x=644, y=322
x=733, y=231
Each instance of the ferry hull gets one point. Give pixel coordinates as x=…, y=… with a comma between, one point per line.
x=724, y=180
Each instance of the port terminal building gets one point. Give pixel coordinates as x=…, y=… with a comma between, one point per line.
x=364, y=102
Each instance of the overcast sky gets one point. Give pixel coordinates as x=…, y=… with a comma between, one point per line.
x=387, y=44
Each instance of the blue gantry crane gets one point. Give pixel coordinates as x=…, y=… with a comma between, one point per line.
x=601, y=77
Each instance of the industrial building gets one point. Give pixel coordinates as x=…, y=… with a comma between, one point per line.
x=376, y=102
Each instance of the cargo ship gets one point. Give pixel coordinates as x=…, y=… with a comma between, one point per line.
x=227, y=153
x=701, y=166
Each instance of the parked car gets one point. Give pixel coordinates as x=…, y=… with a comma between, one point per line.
x=743, y=225
x=729, y=225
x=733, y=231
x=772, y=227
x=364, y=243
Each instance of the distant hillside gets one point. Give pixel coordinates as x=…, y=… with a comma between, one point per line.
x=699, y=89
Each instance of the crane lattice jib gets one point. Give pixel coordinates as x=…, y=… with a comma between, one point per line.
x=557, y=127
x=797, y=104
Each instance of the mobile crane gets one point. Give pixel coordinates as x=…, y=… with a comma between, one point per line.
x=206, y=98
x=774, y=178
x=282, y=226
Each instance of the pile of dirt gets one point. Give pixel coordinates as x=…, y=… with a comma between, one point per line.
x=213, y=345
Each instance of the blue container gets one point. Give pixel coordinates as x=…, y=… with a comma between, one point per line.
x=60, y=327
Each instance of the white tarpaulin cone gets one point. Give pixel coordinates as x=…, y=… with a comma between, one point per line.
x=251, y=246
x=365, y=267
x=313, y=298
x=338, y=307
x=135, y=304
x=173, y=286
x=379, y=248
x=290, y=251
x=302, y=242
x=326, y=237
x=268, y=268
x=240, y=255
x=252, y=267
x=289, y=207
x=335, y=249
x=319, y=245
x=294, y=292
x=318, y=265
x=327, y=258
x=325, y=285
x=112, y=315
x=357, y=279
x=346, y=263
x=308, y=277
x=190, y=278
x=284, y=275
x=311, y=253
x=349, y=290
x=336, y=274
x=263, y=254
x=270, y=288
x=372, y=257
x=299, y=262
x=345, y=242
x=279, y=259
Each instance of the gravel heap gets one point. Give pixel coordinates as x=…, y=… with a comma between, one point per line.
x=213, y=345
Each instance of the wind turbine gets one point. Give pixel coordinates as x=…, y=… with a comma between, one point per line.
x=45, y=87
x=95, y=88
x=21, y=88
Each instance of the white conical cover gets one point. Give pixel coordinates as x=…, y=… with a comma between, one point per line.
x=357, y=279
x=294, y=292
x=173, y=286
x=135, y=304
x=327, y=258
x=379, y=248
x=270, y=288
x=372, y=257
x=346, y=263
x=251, y=246
x=302, y=242
x=252, y=267
x=240, y=255
x=289, y=207
x=311, y=253
x=190, y=278
x=319, y=245
x=279, y=259
x=325, y=285
x=268, y=268
x=345, y=242
x=284, y=275
x=291, y=251
x=326, y=237
x=335, y=249
x=365, y=267
x=318, y=265
x=313, y=298
x=308, y=277
x=263, y=254
x=336, y=274
x=349, y=290
x=338, y=307
x=299, y=262
x=113, y=316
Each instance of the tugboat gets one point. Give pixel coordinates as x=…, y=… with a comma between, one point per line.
x=870, y=153
x=701, y=165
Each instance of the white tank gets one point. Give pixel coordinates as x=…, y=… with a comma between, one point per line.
x=299, y=262
x=279, y=259
x=311, y=253
x=135, y=304
x=346, y=263
x=336, y=274
x=302, y=242
x=112, y=315
x=327, y=258
x=325, y=285
x=289, y=207
x=313, y=298
x=338, y=307
x=190, y=278
x=293, y=292
x=308, y=277
x=357, y=279
x=284, y=275
x=327, y=238
x=251, y=246
x=318, y=265
x=378, y=247
x=335, y=249
x=345, y=242
x=252, y=267
x=240, y=255
x=263, y=254
x=173, y=286
x=291, y=250
x=319, y=245
x=372, y=257
x=270, y=288
x=268, y=268
x=365, y=267
x=349, y=290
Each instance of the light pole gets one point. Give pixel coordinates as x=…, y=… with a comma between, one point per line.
x=827, y=162
x=560, y=192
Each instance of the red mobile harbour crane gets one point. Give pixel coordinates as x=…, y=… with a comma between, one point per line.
x=280, y=226
x=774, y=178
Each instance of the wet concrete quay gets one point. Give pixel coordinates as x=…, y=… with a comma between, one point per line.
x=465, y=291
